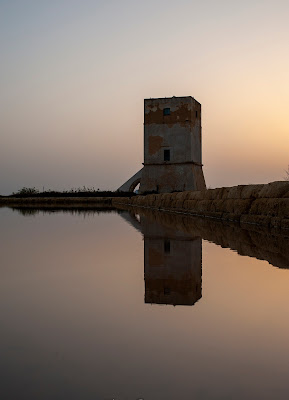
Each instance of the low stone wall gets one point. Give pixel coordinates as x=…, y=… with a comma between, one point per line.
x=266, y=205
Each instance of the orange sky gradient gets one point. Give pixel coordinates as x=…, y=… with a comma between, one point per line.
x=74, y=75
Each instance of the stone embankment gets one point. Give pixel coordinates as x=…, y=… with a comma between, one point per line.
x=265, y=205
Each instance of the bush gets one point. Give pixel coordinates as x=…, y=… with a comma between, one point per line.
x=27, y=191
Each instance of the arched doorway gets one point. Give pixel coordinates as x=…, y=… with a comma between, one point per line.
x=134, y=185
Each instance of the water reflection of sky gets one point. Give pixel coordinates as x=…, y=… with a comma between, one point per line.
x=74, y=323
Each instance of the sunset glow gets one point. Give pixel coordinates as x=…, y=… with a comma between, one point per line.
x=74, y=75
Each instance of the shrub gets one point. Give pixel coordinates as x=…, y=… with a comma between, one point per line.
x=27, y=191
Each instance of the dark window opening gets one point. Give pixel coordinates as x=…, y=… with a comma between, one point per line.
x=167, y=290
x=196, y=114
x=167, y=111
x=167, y=246
x=167, y=155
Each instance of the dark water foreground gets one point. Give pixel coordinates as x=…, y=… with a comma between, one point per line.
x=134, y=304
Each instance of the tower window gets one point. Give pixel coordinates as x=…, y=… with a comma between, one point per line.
x=167, y=111
x=167, y=291
x=167, y=155
x=167, y=246
x=196, y=114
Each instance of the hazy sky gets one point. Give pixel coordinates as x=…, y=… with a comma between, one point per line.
x=74, y=74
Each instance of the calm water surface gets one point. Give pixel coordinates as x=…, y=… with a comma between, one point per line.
x=122, y=306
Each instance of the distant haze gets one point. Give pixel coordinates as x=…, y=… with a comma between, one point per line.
x=74, y=75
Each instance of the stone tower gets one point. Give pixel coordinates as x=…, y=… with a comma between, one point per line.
x=172, y=147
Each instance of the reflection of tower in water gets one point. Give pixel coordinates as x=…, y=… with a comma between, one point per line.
x=172, y=258
x=172, y=265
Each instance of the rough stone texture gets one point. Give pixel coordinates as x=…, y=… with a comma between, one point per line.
x=179, y=132
x=165, y=178
x=241, y=203
x=274, y=190
x=235, y=192
x=251, y=191
x=172, y=147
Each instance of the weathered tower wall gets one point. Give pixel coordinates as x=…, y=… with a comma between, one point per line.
x=172, y=265
x=172, y=145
